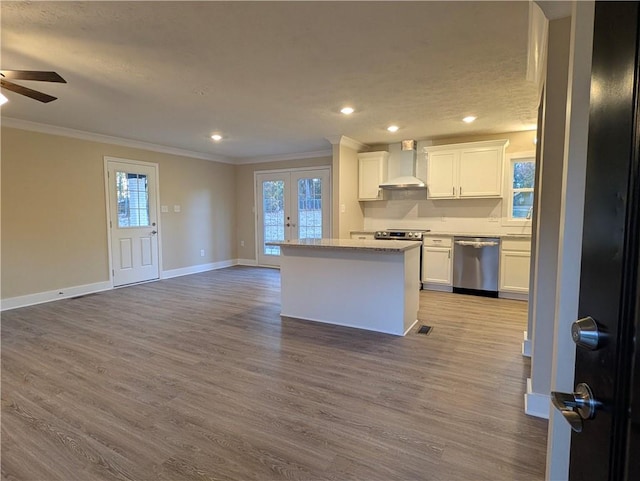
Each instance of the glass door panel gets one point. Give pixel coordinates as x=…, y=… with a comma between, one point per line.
x=291, y=205
x=273, y=225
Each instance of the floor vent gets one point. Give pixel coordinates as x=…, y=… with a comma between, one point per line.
x=425, y=329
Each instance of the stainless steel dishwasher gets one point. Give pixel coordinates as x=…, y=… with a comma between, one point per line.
x=476, y=265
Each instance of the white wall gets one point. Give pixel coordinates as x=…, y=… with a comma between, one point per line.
x=410, y=210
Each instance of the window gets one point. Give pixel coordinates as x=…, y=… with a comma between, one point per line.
x=518, y=201
x=133, y=199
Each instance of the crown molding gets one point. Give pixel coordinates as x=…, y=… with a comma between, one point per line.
x=345, y=141
x=282, y=157
x=107, y=139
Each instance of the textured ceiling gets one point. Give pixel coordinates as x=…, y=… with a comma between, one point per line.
x=272, y=76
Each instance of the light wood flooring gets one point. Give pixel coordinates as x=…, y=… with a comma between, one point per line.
x=198, y=378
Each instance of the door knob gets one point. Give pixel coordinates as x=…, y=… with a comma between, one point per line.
x=154, y=232
x=585, y=333
x=576, y=407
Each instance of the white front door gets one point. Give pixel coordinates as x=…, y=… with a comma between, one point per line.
x=133, y=222
x=291, y=205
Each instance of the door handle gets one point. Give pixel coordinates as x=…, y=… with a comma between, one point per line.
x=154, y=232
x=576, y=407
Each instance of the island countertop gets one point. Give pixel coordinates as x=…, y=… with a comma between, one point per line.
x=350, y=244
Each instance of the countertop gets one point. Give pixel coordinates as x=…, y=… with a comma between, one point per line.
x=350, y=244
x=459, y=234
x=476, y=234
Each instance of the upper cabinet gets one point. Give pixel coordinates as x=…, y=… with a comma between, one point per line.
x=372, y=171
x=469, y=170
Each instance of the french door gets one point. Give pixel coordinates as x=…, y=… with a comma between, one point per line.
x=291, y=205
x=133, y=222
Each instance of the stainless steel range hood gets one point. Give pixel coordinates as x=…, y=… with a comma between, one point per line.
x=408, y=166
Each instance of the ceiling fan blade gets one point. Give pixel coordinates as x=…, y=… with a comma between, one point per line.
x=32, y=75
x=19, y=89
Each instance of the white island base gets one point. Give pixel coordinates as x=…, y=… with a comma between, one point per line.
x=371, y=285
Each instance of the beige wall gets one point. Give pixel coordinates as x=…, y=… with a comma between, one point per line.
x=54, y=232
x=245, y=200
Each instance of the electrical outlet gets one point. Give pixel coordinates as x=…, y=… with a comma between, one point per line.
x=177, y=208
x=241, y=243
x=201, y=252
x=164, y=208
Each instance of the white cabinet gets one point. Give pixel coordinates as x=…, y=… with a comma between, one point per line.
x=436, y=263
x=515, y=259
x=362, y=236
x=470, y=170
x=442, y=168
x=372, y=171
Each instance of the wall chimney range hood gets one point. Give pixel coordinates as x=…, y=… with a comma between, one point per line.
x=408, y=164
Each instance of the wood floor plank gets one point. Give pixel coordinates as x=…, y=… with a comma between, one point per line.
x=199, y=378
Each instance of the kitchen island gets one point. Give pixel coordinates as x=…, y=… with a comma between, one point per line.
x=366, y=284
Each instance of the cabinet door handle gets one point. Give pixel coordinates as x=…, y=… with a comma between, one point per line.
x=449, y=254
x=453, y=190
x=460, y=190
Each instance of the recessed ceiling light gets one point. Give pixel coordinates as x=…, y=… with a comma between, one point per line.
x=347, y=110
x=469, y=119
x=393, y=128
x=216, y=137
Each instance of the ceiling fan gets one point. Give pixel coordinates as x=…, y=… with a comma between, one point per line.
x=35, y=75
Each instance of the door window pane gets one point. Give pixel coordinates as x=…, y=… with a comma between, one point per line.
x=273, y=214
x=310, y=208
x=133, y=199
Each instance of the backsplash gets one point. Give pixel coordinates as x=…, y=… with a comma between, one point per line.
x=409, y=210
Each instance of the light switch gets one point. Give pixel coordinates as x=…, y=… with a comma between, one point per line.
x=164, y=208
x=176, y=208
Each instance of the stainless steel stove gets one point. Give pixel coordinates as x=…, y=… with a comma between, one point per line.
x=404, y=234
x=401, y=234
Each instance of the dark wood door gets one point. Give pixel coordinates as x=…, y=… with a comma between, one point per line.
x=608, y=447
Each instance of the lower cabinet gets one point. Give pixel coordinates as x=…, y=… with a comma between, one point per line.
x=515, y=259
x=436, y=263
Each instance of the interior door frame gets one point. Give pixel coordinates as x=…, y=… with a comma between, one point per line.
x=326, y=168
x=156, y=169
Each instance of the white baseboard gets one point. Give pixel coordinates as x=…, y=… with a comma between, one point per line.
x=55, y=295
x=526, y=345
x=185, y=271
x=517, y=296
x=246, y=262
x=429, y=286
x=536, y=404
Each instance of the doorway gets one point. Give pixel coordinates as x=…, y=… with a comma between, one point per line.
x=292, y=204
x=132, y=210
